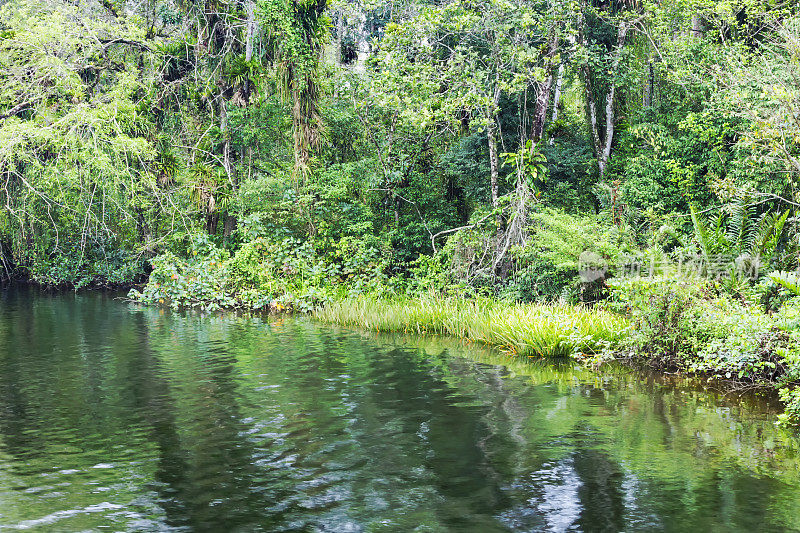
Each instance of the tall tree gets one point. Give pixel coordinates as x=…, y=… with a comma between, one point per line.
x=298, y=31
x=602, y=37
x=464, y=58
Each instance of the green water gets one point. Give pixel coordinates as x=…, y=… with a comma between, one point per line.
x=120, y=418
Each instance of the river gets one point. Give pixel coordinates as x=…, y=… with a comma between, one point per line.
x=115, y=417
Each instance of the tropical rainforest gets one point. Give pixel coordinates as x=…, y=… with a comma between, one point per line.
x=601, y=179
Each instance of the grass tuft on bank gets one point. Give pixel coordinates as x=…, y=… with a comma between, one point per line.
x=535, y=330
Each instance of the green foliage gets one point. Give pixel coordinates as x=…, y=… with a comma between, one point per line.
x=787, y=280
x=744, y=344
x=570, y=179
x=539, y=280
x=530, y=163
x=544, y=269
x=561, y=238
x=91, y=265
x=665, y=313
x=196, y=281
x=672, y=159
x=547, y=266
x=266, y=274
x=791, y=399
x=688, y=325
x=301, y=275
x=78, y=170
x=527, y=330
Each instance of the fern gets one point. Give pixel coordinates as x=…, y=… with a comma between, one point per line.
x=701, y=233
x=710, y=236
x=739, y=222
x=740, y=232
x=787, y=280
x=770, y=231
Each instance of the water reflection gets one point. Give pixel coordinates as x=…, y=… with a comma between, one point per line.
x=114, y=416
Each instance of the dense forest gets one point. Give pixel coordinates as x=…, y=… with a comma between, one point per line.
x=634, y=161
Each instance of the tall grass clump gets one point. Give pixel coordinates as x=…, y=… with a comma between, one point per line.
x=536, y=330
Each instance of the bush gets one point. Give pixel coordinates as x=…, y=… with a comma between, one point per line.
x=791, y=399
x=198, y=281
x=285, y=273
x=544, y=269
x=79, y=264
x=688, y=325
x=667, y=326
x=743, y=345
x=539, y=280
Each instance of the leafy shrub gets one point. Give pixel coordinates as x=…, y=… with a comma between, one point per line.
x=665, y=312
x=791, y=400
x=544, y=269
x=561, y=238
x=787, y=280
x=285, y=273
x=743, y=344
x=547, y=266
x=539, y=280
x=78, y=265
x=198, y=281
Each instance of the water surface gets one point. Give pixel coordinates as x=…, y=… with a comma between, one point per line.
x=115, y=417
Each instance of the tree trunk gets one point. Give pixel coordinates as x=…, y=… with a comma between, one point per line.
x=588, y=87
x=591, y=111
x=211, y=223
x=143, y=229
x=494, y=162
x=557, y=97
x=229, y=221
x=251, y=28
x=540, y=112
x=605, y=155
x=248, y=56
x=226, y=145
x=602, y=161
x=491, y=138
x=602, y=147
x=337, y=52
x=543, y=98
x=697, y=26
x=229, y=224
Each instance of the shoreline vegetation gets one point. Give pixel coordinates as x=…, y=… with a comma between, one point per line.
x=669, y=323
x=678, y=327
x=532, y=330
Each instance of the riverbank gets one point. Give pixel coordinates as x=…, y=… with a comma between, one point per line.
x=536, y=330
x=669, y=326
x=670, y=323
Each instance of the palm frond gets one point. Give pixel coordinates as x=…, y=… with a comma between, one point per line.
x=769, y=233
x=701, y=233
x=787, y=280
